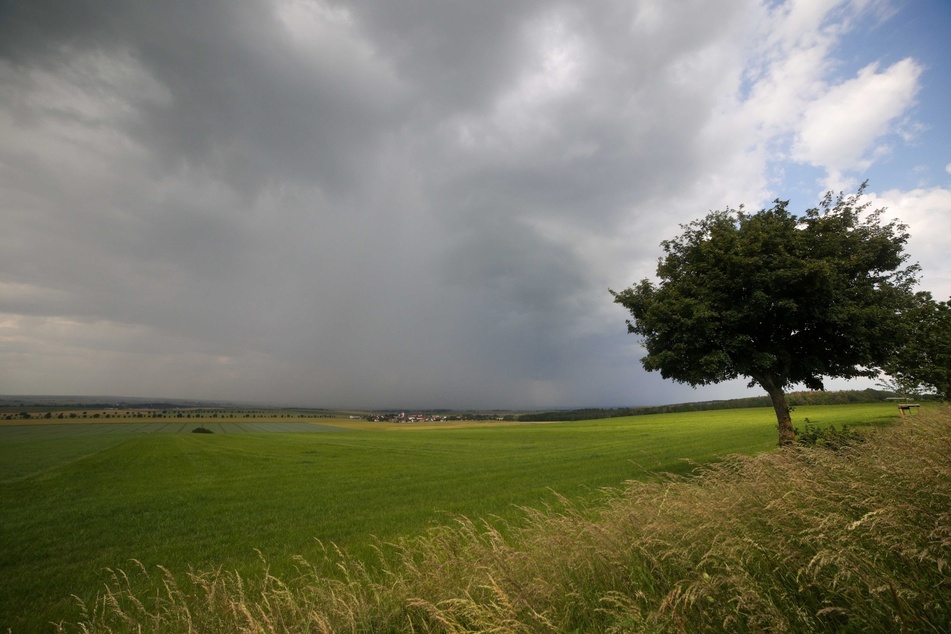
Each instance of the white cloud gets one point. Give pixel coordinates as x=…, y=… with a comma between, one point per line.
x=842, y=129
x=798, y=106
x=927, y=212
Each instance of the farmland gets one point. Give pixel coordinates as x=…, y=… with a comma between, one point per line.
x=78, y=498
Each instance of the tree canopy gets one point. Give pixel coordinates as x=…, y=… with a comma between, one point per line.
x=924, y=361
x=777, y=298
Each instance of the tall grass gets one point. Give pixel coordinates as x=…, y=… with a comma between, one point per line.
x=801, y=540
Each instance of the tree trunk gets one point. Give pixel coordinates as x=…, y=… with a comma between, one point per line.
x=787, y=435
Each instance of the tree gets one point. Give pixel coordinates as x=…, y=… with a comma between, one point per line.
x=924, y=362
x=777, y=298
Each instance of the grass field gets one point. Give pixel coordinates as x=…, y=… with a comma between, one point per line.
x=78, y=499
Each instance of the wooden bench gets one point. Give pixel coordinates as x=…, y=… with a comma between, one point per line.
x=906, y=407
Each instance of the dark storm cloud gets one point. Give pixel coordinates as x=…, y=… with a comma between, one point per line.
x=244, y=103
x=354, y=203
x=349, y=190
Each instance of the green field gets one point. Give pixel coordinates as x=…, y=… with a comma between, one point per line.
x=79, y=498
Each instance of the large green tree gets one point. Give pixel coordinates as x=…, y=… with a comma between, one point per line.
x=924, y=361
x=777, y=298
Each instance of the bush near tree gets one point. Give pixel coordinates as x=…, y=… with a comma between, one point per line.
x=780, y=299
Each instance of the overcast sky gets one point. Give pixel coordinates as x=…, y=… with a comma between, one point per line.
x=422, y=203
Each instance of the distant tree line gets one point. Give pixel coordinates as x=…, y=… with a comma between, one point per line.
x=25, y=414
x=794, y=399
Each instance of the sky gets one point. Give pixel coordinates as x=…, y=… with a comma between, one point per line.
x=420, y=204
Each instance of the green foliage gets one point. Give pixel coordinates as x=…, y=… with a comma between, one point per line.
x=780, y=299
x=924, y=361
x=829, y=437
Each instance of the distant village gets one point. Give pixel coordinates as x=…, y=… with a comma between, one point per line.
x=403, y=417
